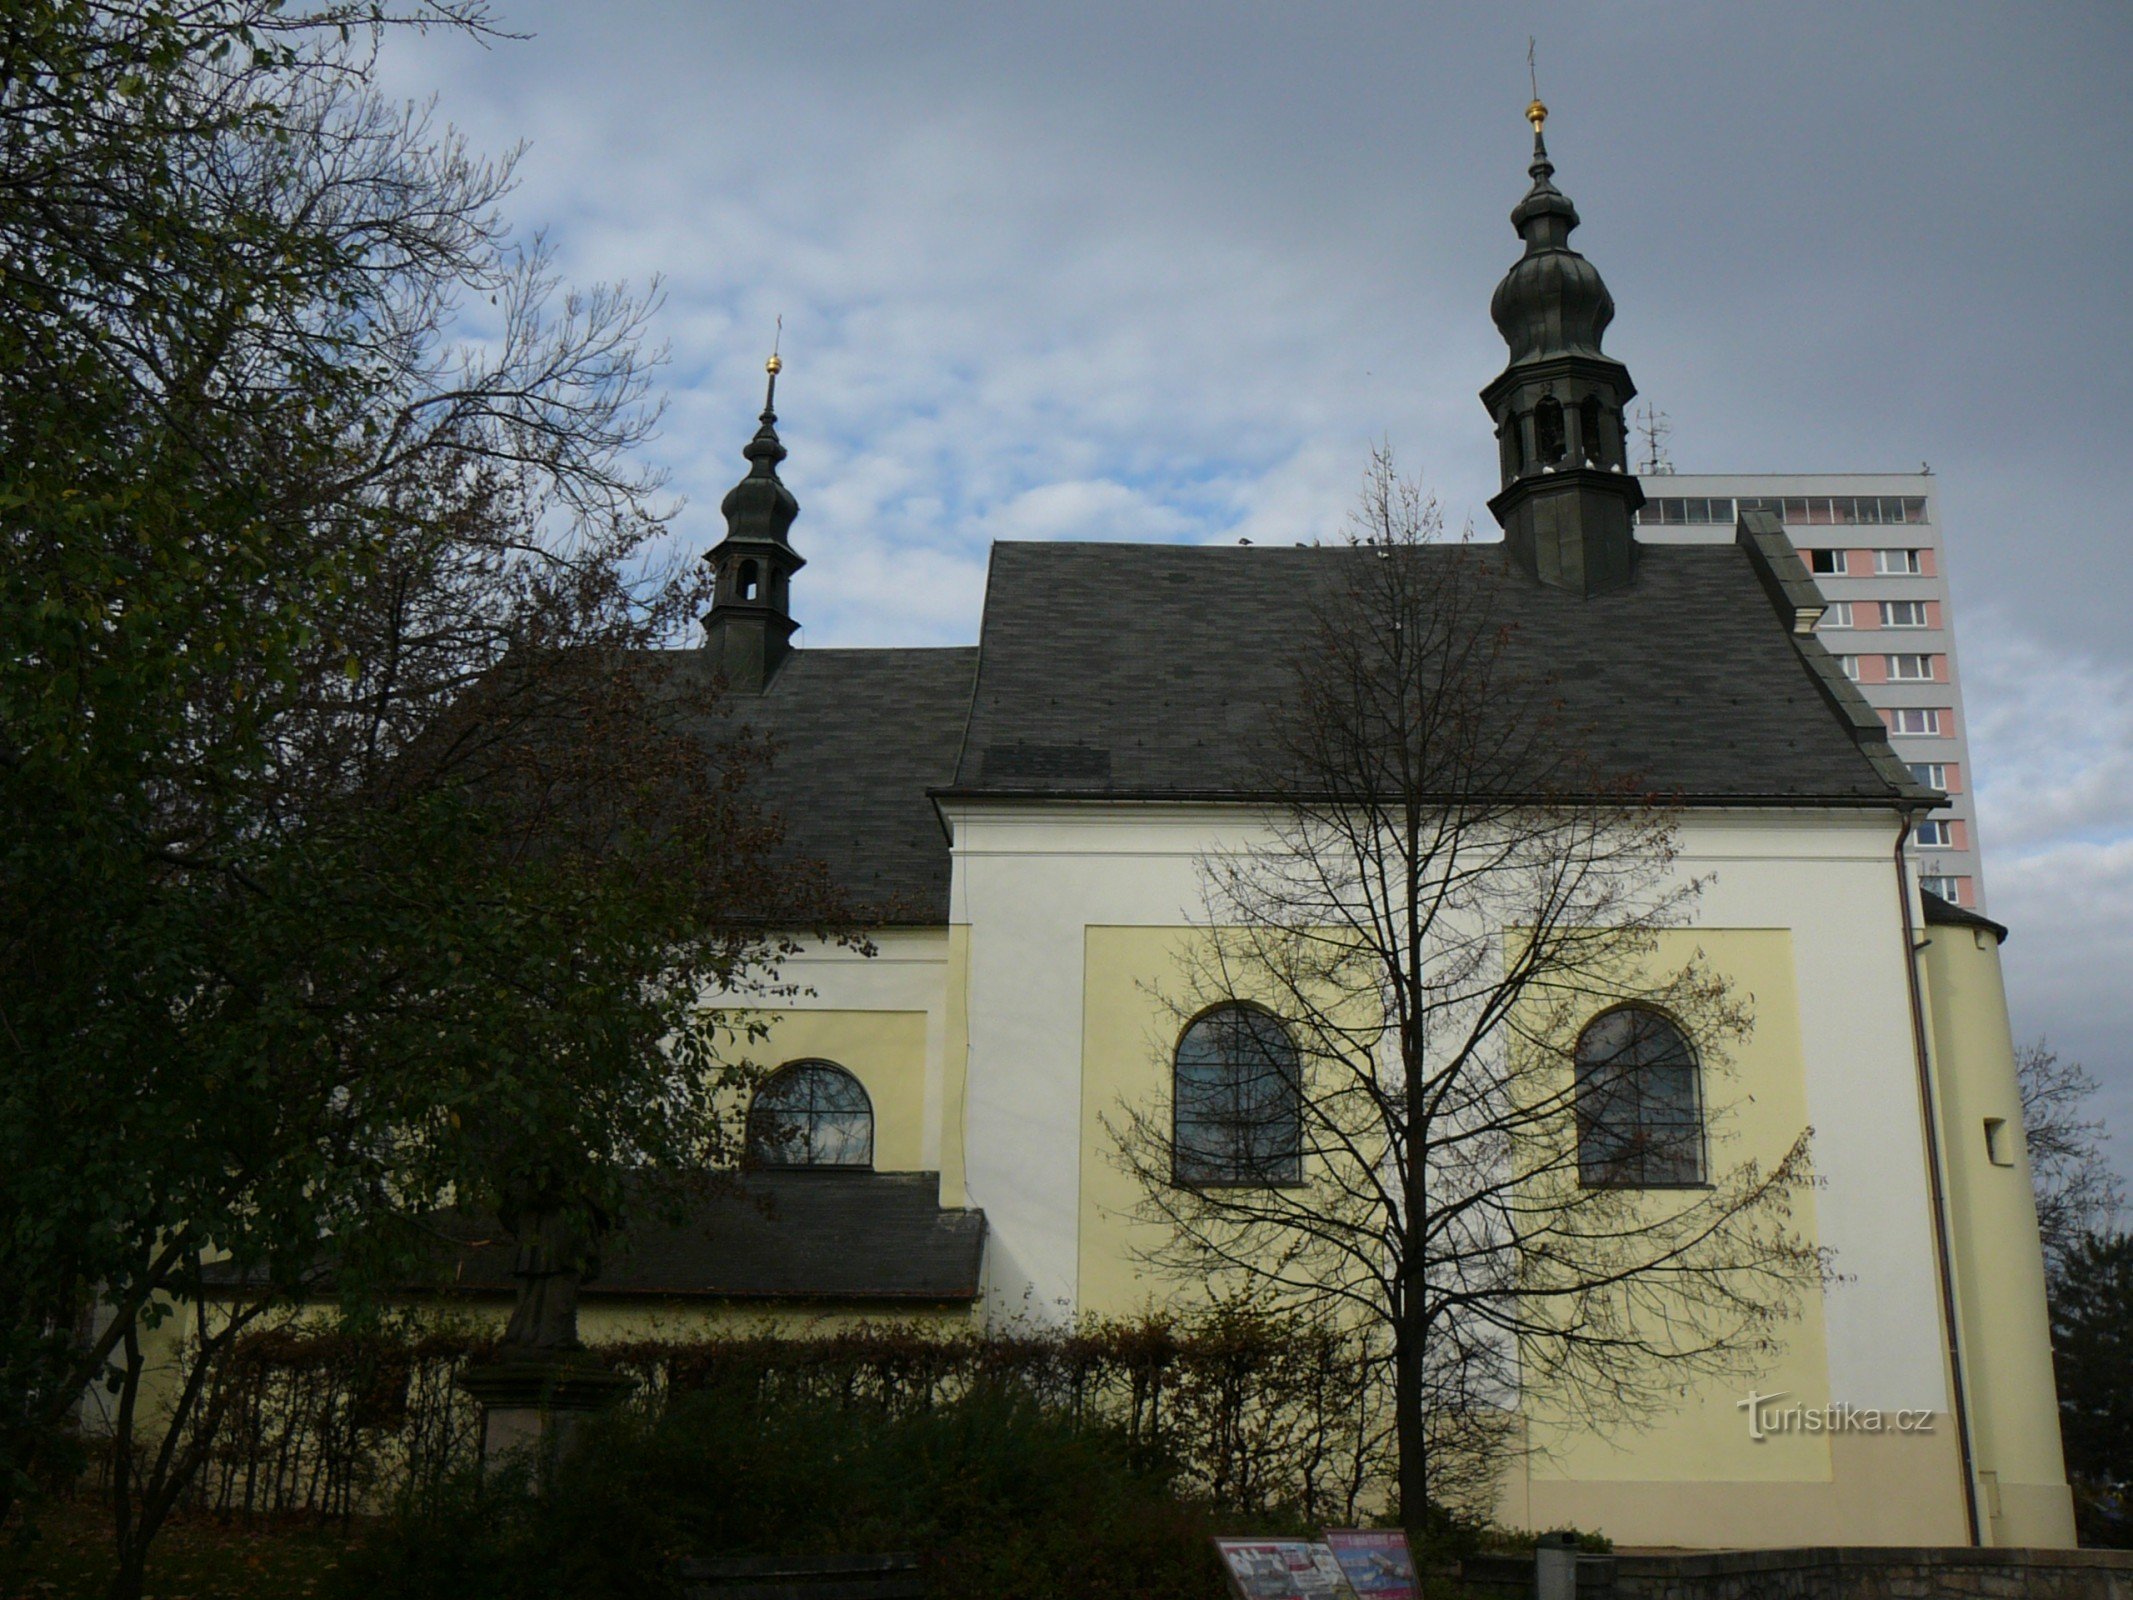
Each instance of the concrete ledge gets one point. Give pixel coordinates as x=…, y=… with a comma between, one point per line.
x=1857, y=1572
x=1876, y=1573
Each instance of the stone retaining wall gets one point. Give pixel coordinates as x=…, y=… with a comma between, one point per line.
x=1834, y=1574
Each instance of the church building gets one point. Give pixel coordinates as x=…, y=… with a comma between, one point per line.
x=1022, y=822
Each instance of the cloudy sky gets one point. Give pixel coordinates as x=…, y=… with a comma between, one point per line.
x=1160, y=271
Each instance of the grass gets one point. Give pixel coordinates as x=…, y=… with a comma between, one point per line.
x=65, y=1551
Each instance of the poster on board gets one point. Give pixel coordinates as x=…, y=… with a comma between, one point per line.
x=1375, y=1561
x=1282, y=1569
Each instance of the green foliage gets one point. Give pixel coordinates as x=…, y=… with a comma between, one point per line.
x=355, y=856
x=1254, y=1413
x=1003, y=1498
x=2092, y=1348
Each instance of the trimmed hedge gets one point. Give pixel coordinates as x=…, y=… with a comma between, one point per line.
x=1004, y=1497
x=1248, y=1411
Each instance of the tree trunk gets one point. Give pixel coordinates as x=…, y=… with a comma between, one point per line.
x=1409, y=1437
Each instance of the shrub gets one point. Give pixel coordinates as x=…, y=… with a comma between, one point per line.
x=1254, y=1411
x=1002, y=1496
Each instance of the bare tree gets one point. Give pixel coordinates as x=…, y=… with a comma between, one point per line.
x=2077, y=1191
x=1391, y=1099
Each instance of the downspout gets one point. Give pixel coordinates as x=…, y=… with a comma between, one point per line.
x=1944, y=1251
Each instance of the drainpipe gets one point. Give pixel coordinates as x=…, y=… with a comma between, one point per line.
x=1944, y=1246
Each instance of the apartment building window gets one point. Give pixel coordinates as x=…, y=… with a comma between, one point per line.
x=1826, y=563
x=1898, y=563
x=1949, y=889
x=1910, y=669
x=1914, y=719
x=1849, y=666
x=1820, y=511
x=1839, y=614
x=1933, y=774
x=1903, y=613
x=1934, y=834
x=1675, y=510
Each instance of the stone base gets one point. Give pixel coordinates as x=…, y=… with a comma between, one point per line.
x=531, y=1406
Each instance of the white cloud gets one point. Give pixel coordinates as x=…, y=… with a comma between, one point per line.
x=2052, y=731
x=2055, y=726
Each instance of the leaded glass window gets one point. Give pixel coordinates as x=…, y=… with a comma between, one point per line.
x=1639, y=1104
x=1239, y=1115
x=811, y=1114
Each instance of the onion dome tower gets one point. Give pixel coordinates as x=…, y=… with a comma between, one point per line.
x=1568, y=501
x=749, y=627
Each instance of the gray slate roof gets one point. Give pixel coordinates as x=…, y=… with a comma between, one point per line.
x=859, y=737
x=820, y=1235
x=1132, y=671
x=1946, y=913
x=1116, y=670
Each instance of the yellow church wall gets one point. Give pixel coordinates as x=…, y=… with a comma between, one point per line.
x=1691, y=1475
x=884, y=1016
x=1999, y=1264
x=884, y=1050
x=1755, y=1107
x=1129, y=1027
x=1879, y=1489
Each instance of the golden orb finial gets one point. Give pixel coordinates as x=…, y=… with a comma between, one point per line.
x=773, y=366
x=1536, y=114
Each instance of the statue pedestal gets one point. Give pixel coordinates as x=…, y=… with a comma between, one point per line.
x=532, y=1401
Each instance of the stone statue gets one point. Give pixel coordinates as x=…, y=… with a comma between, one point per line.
x=542, y=1382
x=558, y=1250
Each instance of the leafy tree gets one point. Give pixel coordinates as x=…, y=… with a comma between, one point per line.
x=2092, y=1346
x=1445, y=892
x=2077, y=1192
x=358, y=856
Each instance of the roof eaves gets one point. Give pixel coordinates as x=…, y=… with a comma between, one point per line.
x=1876, y=800
x=1800, y=605
x=1946, y=913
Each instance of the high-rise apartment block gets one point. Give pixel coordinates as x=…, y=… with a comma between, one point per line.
x=1873, y=542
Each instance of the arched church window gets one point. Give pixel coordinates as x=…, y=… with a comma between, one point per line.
x=1548, y=430
x=1639, y=1103
x=1237, y=1100
x=1593, y=441
x=811, y=1114
x=749, y=582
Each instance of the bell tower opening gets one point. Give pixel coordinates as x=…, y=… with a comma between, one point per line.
x=1548, y=431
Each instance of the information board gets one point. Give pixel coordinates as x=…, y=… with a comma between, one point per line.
x=1283, y=1569
x=1375, y=1561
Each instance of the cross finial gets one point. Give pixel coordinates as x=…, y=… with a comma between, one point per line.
x=773, y=366
x=1536, y=113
